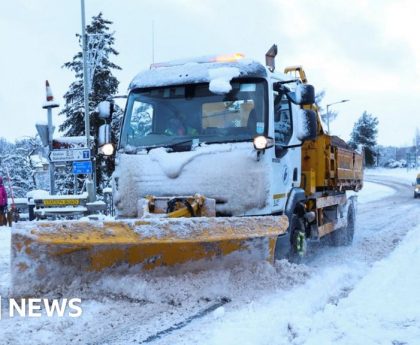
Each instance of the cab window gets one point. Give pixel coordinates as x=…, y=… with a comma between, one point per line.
x=282, y=120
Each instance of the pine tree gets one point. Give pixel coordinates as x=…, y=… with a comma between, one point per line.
x=364, y=133
x=103, y=85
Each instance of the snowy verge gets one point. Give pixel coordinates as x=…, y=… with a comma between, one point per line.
x=384, y=308
x=402, y=174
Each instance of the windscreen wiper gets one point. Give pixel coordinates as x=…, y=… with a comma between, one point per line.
x=228, y=141
x=172, y=145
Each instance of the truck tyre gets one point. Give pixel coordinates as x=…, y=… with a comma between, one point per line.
x=298, y=243
x=344, y=236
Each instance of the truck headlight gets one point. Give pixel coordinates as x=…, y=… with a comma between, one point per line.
x=107, y=149
x=417, y=190
x=262, y=142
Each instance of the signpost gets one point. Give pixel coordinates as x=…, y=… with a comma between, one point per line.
x=82, y=167
x=70, y=155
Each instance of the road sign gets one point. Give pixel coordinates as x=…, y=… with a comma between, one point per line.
x=83, y=167
x=43, y=133
x=70, y=155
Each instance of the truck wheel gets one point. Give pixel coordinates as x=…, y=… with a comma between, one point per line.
x=344, y=236
x=297, y=240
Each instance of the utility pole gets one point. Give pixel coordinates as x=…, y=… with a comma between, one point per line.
x=90, y=183
x=49, y=104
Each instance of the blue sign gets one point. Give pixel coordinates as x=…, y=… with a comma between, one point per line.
x=83, y=167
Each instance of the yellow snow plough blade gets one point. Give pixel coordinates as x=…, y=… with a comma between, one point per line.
x=45, y=252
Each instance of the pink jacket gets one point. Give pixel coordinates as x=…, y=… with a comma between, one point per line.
x=3, y=196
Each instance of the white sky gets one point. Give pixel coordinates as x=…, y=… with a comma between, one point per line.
x=365, y=51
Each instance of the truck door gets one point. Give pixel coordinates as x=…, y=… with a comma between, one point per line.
x=286, y=164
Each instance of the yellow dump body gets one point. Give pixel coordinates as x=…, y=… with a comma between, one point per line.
x=328, y=163
x=43, y=253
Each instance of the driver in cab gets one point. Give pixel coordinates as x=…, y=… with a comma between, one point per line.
x=177, y=128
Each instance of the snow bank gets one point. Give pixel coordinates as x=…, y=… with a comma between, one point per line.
x=384, y=308
x=246, y=279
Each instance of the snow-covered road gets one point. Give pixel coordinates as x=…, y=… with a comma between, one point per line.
x=352, y=295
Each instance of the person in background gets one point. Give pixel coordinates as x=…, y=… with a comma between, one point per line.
x=3, y=200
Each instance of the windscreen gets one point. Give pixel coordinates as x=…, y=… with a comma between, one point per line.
x=167, y=115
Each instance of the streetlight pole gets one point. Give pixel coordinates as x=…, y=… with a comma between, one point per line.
x=328, y=114
x=85, y=73
x=90, y=183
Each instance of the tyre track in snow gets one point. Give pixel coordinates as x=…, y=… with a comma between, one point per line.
x=381, y=224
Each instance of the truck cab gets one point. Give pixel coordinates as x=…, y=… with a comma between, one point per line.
x=225, y=127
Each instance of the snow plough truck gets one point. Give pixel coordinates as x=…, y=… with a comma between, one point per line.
x=220, y=158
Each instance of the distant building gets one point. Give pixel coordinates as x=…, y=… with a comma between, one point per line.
x=388, y=155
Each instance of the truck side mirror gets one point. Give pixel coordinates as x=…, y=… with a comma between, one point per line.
x=104, y=140
x=105, y=109
x=305, y=94
x=307, y=125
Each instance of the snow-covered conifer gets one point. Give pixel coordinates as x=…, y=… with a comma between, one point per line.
x=364, y=133
x=103, y=84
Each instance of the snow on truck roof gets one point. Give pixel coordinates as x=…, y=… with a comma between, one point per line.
x=198, y=70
